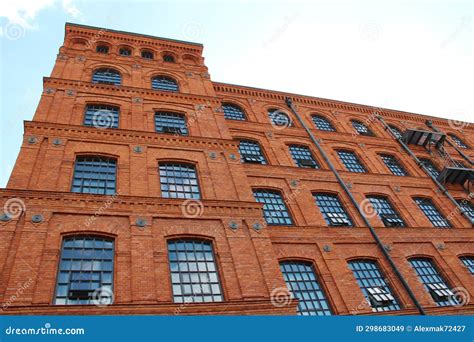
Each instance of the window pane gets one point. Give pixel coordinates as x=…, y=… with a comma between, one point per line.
x=351, y=162
x=233, y=112
x=311, y=297
x=274, y=208
x=101, y=116
x=323, y=124
x=193, y=282
x=374, y=285
x=78, y=278
x=95, y=175
x=386, y=212
x=164, y=83
x=250, y=152
x=173, y=175
x=169, y=122
x=432, y=213
x=361, y=128
x=107, y=76
x=332, y=210
x=393, y=165
x=302, y=156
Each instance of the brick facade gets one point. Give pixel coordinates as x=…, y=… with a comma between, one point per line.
x=247, y=256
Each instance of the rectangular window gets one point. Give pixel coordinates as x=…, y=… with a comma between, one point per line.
x=302, y=156
x=386, y=212
x=179, y=180
x=303, y=285
x=432, y=213
x=194, y=275
x=274, y=208
x=101, y=116
x=374, y=285
x=85, y=273
x=94, y=175
x=393, y=165
x=332, y=210
x=433, y=281
x=173, y=123
x=351, y=162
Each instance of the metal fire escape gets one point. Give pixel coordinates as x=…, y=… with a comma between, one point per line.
x=453, y=172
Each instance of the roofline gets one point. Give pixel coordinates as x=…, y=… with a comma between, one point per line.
x=133, y=33
x=331, y=100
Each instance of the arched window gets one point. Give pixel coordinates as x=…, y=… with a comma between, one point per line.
x=351, y=161
x=250, y=152
x=332, y=209
x=194, y=275
x=170, y=122
x=303, y=284
x=467, y=206
x=433, y=281
x=85, y=274
x=428, y=163
x=432, y=213
x=279, y=118
x=392, y=163
x=274, y=207
x=322, y=123
x=468, y=261
x=101, y=116
x=168, y=58
x=107, y=76
x=373, y=285
x=102, y=49
x=302, y=156
x=147, y=54
x=178, y=180
x=396, y=131
x=233, y=112
x=361, y=128
x=385, y=211
x=165, y=83
x=95, y=175
x=459, y=142
x=125, y=51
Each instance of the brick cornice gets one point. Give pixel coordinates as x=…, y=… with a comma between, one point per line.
x=118, y=136
x=120, y=90
x=318, y=103
x=69, y=202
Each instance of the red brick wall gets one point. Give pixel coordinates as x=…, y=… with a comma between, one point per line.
x=247, y=258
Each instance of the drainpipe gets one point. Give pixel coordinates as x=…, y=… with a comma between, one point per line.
x=429, y=123
x=424, y=168
x=379, y=243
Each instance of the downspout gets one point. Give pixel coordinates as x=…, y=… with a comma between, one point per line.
x=379, y=243
x=429, y=123
x=423, y=167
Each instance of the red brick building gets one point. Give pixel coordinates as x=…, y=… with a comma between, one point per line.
x=146, y=188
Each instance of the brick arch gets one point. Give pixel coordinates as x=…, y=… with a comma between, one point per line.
x=90, y=69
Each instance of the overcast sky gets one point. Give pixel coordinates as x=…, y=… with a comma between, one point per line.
x=415, y=56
